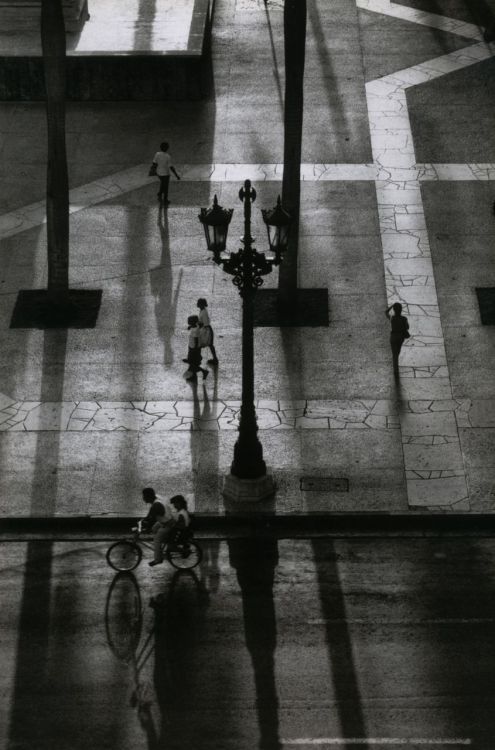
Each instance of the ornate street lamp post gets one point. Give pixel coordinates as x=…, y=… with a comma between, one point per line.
x=248, y=479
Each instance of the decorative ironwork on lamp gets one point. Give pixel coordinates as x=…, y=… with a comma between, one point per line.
x=215, y=221
x=248, y=477
x=278, y=222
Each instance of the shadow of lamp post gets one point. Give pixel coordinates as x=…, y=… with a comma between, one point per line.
x=248, y=479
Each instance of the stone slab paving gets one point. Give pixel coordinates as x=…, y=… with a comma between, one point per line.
x=432, y=453
x=428, y=417
x=153, y=416
x=421, y=421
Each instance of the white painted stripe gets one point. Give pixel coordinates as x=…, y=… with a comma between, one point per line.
x=388, y=621
x=120, y=183
x=378, y=741
x=432, y=20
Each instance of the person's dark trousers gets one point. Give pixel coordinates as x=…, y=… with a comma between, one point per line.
x=163, y=192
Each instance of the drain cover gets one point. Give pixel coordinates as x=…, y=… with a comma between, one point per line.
x=324, y=484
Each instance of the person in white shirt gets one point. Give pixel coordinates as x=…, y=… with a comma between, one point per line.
x=160, y=520
x=163, y=162
x=194, y=350
x=207, y=336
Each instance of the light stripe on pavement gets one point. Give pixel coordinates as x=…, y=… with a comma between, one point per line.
x=393, y=741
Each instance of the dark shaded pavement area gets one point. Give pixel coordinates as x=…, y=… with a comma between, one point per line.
x=480, y=12
x=269, y=644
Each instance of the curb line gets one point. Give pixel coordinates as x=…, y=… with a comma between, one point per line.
x=247, y=525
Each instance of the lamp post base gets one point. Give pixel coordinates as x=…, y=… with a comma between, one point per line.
x=248, y=490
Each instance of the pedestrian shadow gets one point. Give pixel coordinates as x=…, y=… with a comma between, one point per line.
x=162, y=289
x=254, y=561
x=398, y=393
x=205, y=473
x=205, y=447
x=276, y=70
x=336, y=112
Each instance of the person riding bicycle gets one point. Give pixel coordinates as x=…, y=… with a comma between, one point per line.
x=171, y=526
x=160, y=520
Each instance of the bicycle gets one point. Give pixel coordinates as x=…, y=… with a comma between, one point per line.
x=126, y=554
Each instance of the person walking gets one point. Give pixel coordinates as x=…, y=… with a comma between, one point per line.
x=398, y=333
x=194, y=350
x=163, y=163
x=160, y=520
x=206, y=335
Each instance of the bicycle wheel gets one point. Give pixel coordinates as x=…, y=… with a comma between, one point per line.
x=124, y=555
x=183, y=556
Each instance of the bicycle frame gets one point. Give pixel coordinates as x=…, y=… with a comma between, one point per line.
x=181, y=554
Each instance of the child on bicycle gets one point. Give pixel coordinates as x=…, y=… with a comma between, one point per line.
x=180, y=528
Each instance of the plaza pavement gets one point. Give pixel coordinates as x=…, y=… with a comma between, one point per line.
x=398, y=169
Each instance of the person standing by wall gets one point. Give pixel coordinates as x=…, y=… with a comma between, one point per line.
x=206, y=335
x=398, y=333
x=163, y=162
